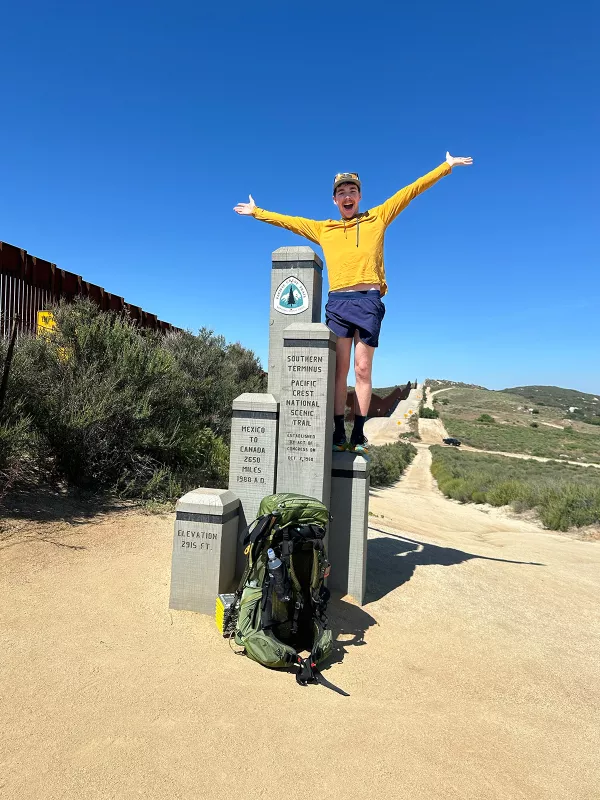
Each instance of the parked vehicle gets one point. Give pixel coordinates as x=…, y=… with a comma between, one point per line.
x=452, y=442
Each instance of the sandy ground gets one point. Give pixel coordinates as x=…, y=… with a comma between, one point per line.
x=472, y=671
x=385, y=430
x=432, y=431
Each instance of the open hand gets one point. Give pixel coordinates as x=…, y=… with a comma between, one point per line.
x=458, y=161
x=246, y=209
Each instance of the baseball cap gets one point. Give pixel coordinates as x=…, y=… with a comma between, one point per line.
x=346, y=177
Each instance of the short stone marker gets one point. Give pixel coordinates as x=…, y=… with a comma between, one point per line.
x=306, y=410
x=253, y=456
x=347, y=548
x=204, y=541
x=296, y=291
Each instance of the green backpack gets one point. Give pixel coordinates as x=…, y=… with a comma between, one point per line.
x=281, y=601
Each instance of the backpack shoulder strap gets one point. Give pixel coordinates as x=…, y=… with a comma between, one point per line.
x=250, y=536
x=255, y=530
x=298, y=601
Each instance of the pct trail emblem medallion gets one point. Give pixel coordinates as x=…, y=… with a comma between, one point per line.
x=291, y=296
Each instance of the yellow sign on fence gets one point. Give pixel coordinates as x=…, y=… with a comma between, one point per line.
x=45, y=323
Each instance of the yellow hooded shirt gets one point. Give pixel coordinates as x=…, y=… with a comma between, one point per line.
x=353, y=248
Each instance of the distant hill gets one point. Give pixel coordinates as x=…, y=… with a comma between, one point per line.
x=512, y=422
x=587, y=406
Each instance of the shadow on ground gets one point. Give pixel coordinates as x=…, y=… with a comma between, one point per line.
x=31, y=512
x=392, y=561
x=349, y=624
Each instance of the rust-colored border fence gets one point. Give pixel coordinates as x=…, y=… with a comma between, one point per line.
x=29, y=284
x=380, y=406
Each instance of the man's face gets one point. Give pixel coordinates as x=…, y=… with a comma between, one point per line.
x=347, y=198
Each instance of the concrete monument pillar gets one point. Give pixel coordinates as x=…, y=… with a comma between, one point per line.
x=307, y=371
x=296, y=294
x=203, y=561
x=281, y=442
x=253, y=456
x=349, y=509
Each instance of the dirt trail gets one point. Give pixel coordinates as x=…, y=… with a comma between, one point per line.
x=432, y=431
x=386, y=430
x=472, y=670
x=526, y=456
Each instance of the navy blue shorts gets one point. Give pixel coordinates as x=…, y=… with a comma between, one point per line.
x=348, y=312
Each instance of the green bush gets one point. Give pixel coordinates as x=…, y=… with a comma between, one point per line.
x=445, y=401
x=563, y=495
x=485, y=418
x=18, y=443
x=17, y=448
x=505, y=492
x=570, y=506
x=428, y=413
x=535, y=411
x=389, y=461
x=533, y=425
x=126, y=409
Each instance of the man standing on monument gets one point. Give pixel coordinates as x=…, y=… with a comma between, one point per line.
x=353, y=249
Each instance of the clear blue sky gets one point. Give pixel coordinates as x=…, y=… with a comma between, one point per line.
x=130, y=130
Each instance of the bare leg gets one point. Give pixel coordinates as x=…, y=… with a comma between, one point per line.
x=342, y=365
x=363, y=367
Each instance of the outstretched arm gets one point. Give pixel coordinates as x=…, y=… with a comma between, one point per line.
x=398, y=202
x=309, y=228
